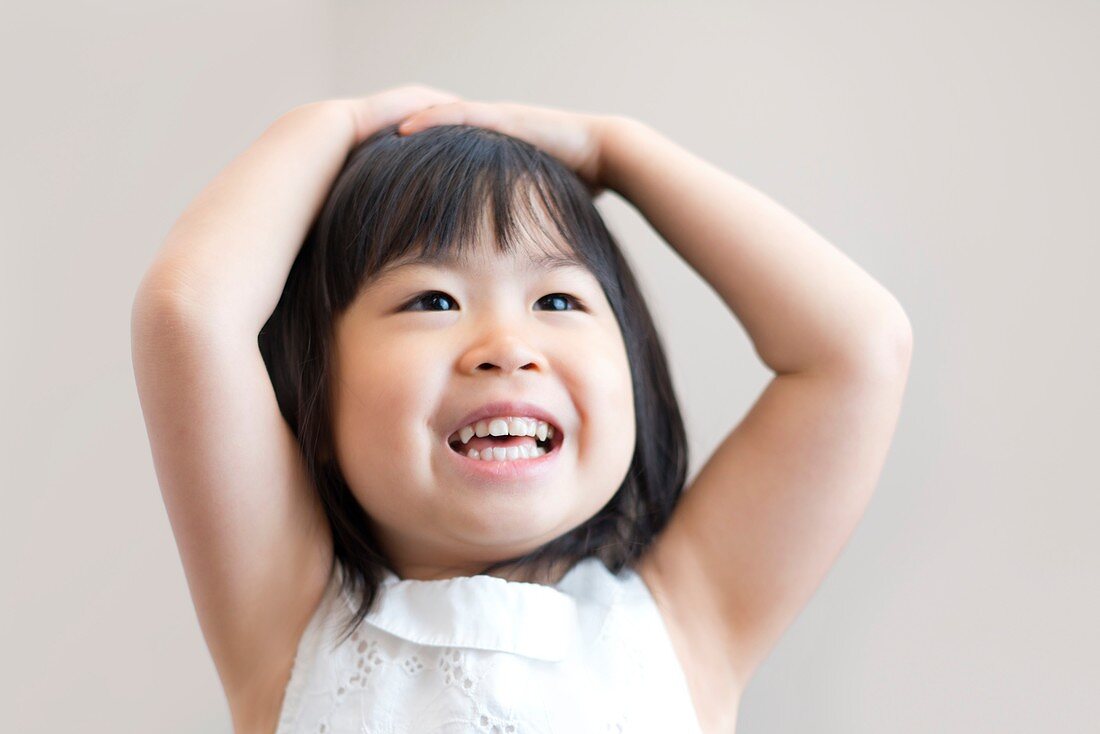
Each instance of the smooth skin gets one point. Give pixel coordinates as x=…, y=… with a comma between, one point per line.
x=758, y=527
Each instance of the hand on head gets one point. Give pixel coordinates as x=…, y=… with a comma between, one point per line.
x=574, y=138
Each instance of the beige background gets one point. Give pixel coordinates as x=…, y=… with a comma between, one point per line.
x=949, y=148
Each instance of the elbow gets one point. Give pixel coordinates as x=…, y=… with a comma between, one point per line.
x=163, y=311
x=153, y=305
x=890, y=348
x=885, y=348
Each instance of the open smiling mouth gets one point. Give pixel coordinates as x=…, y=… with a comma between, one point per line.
x=511, y=439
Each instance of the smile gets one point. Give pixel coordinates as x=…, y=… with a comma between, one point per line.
x=484, y=466
x=506, y=438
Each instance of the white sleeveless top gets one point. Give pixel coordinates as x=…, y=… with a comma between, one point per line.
x=484, y=654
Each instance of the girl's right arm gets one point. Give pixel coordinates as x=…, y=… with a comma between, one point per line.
x=252, y=537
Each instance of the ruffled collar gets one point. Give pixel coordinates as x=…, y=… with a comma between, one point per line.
x=484, y=612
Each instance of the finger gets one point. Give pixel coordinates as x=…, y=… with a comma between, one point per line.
x=405, y=101
x=479, y=114
x=389, y=107
x=419, y=96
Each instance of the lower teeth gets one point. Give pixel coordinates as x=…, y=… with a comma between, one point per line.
x=510, y=453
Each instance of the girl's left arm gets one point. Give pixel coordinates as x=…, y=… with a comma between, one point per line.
x=770, y=511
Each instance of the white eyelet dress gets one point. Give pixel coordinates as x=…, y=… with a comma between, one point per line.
x=487, y=655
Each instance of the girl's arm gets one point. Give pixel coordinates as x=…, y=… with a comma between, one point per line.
x=251, y=533
x=805, y=305
x=769, y=513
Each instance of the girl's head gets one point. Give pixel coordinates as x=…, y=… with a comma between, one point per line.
x=449, y=269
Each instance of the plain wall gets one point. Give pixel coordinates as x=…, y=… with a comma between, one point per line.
x=950, y=149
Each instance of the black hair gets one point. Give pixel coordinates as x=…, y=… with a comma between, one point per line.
x=426, y=195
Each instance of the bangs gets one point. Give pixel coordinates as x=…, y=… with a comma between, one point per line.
x=433, y=196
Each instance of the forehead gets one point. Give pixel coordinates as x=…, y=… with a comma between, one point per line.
x=527, y=259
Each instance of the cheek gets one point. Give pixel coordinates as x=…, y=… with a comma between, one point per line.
x=606, y=402
x=609, y=370
x=384, y=398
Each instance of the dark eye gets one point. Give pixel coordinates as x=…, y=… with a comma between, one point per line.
x=432, y=297
x=561, y=299
x=439, y=301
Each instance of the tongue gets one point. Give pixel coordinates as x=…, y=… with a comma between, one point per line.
x=503, y=441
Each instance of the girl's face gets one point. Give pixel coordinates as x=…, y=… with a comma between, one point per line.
x=423, y=347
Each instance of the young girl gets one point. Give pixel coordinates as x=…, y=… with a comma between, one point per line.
x=418, y=442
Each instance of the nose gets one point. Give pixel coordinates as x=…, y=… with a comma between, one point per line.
x=502, y=351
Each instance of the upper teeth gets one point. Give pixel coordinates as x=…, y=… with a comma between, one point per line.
x=507, y=426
